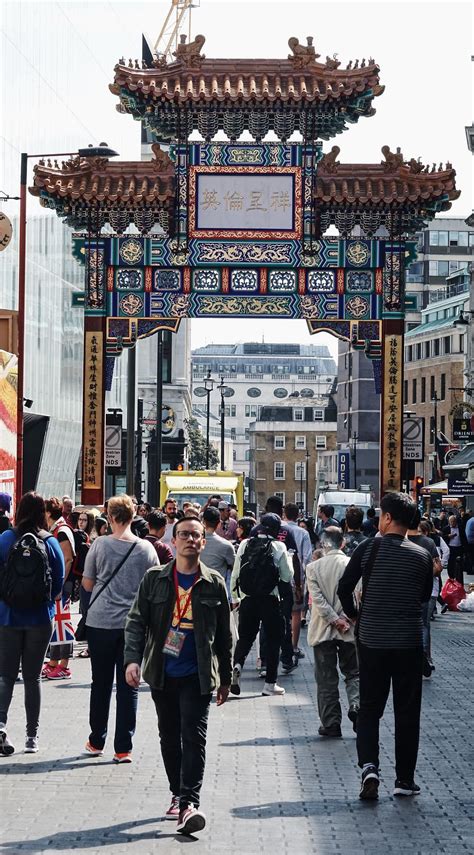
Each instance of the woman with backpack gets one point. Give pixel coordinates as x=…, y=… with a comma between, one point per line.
x=62, y=640
x=25, y=629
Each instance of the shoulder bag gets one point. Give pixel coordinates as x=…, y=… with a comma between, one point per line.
x=81, y=629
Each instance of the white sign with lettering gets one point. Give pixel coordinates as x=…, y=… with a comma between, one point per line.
x=249, y=202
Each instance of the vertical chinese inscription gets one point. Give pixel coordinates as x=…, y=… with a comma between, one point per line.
x=391, y=434
x=93, y=411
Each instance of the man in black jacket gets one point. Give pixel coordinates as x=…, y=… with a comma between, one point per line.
x=397, y=578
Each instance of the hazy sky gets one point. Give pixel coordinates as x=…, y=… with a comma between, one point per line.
x=423, y=50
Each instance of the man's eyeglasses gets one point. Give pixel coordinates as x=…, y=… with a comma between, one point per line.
x=185, y=535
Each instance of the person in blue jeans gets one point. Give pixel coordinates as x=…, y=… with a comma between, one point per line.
x=105, y=624
x=25, y=633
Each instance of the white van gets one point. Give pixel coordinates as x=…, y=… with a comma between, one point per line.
x=341, y=499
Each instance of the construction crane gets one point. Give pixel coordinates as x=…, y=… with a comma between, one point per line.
x=167, y=41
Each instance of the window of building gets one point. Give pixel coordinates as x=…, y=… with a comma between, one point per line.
x=442, y=424
x=321, y=443
x=279, y=442
x=280, y=495
x=423, y=390
x=442, y=391
x=418, y=351
x=247, y=433
x=300, y=443
x=300, y=470
x=233, y=433
x=432, y=429
x=447, y=344
x=413, y=391
x=298, y=414
x=250, y=411
x=410, y=353
x=230, y=410
x=443, y=268
x=471, y=238
x=318, y=415
x=436, y=347
x=443, y=238
x=299, y=499
x=279, y=471
x=405, y=392
x=432, y=387
x=247, y=454
x=234, y=455
x=462, y=238
x=427, y=349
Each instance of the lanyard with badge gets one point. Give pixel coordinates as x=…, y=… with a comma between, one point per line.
x=175, y=639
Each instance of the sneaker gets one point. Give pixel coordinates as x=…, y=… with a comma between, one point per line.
x=369, y=789
x=58, y=673
x=289, y=667
x=330, y=732
x=6, y=748
x=31, y=745
x=46, y=670
x=235, y=684
x=272, y=689
x=190, y=820
x=173, y=810
x=126, y=757
x=352, y=716
x=298, y=653
x=444, y=608
x=403, y=789
x=427, y=669
x=94, y=752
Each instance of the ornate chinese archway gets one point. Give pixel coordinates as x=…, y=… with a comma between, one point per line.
x=241, y=225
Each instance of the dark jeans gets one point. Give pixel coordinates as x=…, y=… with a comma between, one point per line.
x=25, y=645
x=455, y=563
x=327, y=656
x=286, y=640
x=182, y=724
x=377, y=669
x=106, y=653
x=254, y=610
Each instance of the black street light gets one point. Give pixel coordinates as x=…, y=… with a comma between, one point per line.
x=208, y=385
x=222, y=389
x=435, y=473
x=307, y=484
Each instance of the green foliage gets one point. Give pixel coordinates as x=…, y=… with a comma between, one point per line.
x=197, y=448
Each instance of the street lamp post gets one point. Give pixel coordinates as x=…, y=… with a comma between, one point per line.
x=354, y=456
x=306, y=504
x=208, y=385
x=222, y=389
x=101, y=150
x=434, y=400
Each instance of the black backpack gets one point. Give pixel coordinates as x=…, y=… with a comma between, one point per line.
x=259, y=574
x=26, y=578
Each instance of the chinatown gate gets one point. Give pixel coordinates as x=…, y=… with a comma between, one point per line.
x=235, y=230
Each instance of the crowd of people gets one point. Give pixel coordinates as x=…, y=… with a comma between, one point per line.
x=180, y=597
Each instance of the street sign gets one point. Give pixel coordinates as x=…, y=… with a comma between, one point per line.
x=457, y=487
x=6, y=231
x=413, y=438
x=463, y=429
x=344, y=469
x=78, y=298
x=113, y=446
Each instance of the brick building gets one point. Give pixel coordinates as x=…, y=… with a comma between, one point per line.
x=285, y=444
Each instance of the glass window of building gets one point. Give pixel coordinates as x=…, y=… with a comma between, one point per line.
x=442, y=424
x=298, y=414
x=321, y=443
x=413, y=391
x=433, y=268
x=443, y=238
x=405, y=392
x=280, y=495
x=247, y=454
x=432, y=387
x=300, y=443
x=299, y=498
x=233, y=433
x=447, y=344
x=279, y=442
x=250, y=411
x=436, y=347
x=443, y=268
x=423, y=390
x=279, y=471
x=453, y=238
x=463, y=238
x=300, y=470
x=442, y=391
x=427, y=349
x=318, y=415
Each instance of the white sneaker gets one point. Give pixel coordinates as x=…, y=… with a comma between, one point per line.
x=272, y=689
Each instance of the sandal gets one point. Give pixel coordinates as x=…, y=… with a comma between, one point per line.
x=84, y=654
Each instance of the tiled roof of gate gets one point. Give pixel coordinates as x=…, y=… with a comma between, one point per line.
x=299, y=78
x=392, y=180
x=101, y=180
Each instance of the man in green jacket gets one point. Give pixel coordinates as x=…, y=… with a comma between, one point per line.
x=179, y=625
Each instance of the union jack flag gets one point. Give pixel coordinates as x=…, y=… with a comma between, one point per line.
x=63, y=630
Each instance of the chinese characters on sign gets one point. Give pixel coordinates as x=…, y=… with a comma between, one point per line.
x=236, y=202
x=93, y=394
x=392, y=414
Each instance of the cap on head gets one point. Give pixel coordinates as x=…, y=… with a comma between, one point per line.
x=270, y=524
x=223, y=506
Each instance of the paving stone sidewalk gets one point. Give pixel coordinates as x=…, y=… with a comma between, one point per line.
x=272, y=785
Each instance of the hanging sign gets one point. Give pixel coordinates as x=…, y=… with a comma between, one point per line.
x=463, y=429
x=6, y=231
x=344, y=469
x=391, y=456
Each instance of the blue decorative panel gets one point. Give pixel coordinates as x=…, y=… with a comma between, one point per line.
x=359, y=253
x=131, y=305
x=359, y=280
x=238, y=305
x=206, y=280
x=282, y=281
x=250, y=154
x=357, y=308
x=129, y=279
x=131, y=251
x=166, y=280
x=242, y=281
x=229, y=253
x=321, y=281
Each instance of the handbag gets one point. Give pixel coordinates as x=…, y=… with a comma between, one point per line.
x=376, y=544
x=81, y=629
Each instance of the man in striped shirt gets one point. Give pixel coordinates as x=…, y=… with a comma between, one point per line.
x=397, y=578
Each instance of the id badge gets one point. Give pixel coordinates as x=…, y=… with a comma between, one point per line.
x=174, y=643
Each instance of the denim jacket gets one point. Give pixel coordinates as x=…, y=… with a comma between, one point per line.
x=150, y=617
